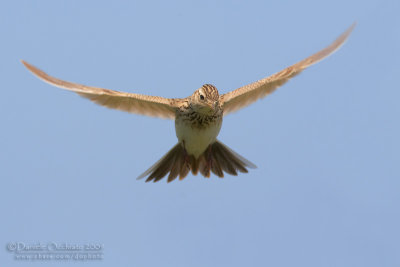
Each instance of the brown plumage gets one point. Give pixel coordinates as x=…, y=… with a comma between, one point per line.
x=198, y=118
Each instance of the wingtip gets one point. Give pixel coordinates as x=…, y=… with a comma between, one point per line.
x=351, y=28
x=24, y=62
x=345, y=35
x=27, y=65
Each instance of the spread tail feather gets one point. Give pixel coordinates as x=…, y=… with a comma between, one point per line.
x=217, y=158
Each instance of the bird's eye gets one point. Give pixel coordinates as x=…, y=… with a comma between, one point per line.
x=202, y=97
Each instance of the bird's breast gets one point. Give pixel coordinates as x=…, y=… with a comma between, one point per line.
x=197, y=132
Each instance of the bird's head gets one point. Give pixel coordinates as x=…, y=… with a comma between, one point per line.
x=205, y=100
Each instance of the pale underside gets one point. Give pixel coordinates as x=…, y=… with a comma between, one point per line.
x=196, y=140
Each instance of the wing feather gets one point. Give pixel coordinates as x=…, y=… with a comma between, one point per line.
x=134, y=103
x=248, y=94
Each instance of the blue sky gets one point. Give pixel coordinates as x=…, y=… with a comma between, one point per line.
x=326, y=191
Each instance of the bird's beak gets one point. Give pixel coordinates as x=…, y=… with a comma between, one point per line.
x=216, y=104
x=212, y=105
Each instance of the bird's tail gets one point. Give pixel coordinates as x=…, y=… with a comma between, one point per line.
x=217, y=158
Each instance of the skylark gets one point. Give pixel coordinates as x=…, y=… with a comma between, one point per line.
x=198, y=118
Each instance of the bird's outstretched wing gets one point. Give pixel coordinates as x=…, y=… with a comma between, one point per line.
x=134, y=103
x=248, y=94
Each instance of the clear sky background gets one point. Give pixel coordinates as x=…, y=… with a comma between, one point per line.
x=327, y=188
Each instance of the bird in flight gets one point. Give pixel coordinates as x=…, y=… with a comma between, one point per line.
x=198, y=118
